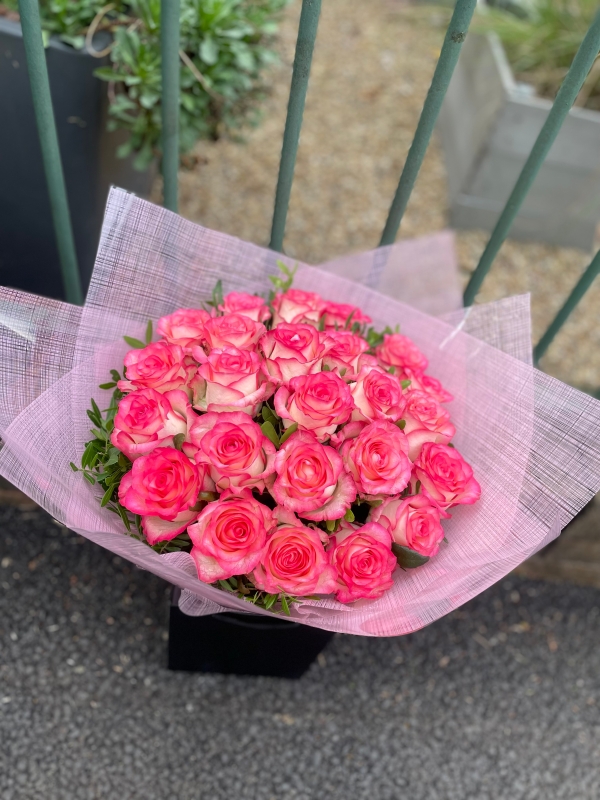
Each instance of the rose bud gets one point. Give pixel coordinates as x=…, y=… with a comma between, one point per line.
x=401, y=352
x=232, y=330
x=239, y=456
x=413, y=522
x=248, y=305
x=229, y=537
x=147, y=419
x=377, y=395
x=445, y=476
x=295, y=561
x=426, y=421
x=159, y=366
x=311, y=480
x=185, y=327
x=318, y=403
x=292, y=350
x=296, y=307
x=363, y=560
x=377, y=459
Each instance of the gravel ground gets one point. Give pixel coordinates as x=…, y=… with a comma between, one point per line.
x=372, y=67
x=499, y=700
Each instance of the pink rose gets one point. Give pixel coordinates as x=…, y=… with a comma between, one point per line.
x=248, y=305
x=296, y=306
x=185, y=327
x=295, y=561
x=377, y=459
x=147, y=419
x=229, y=537
x=159, y=366
x=162, y=487
x=445, y=476
x=292, y=350
x=428, y=384
x=341, y=315
x=318, y=403
x=237, y=453
x=401, y=352
x=413, y=522
x=426, y=421
x=311, y=480
x=232, y=330
x=230, y=380
x=377, y=395
x=346, y=353
x=363, y=560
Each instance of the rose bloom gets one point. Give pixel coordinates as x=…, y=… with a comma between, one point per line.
x=237, y=453
x=296, y=306
x=229, y=537
x=162, y=487
x=248, y=305
x=295, y=561
x=377, y=395
x=377, y=459
x=445, y=476
x=318, y=403
x=428, y=384
x=292, y=350
x=413, y=522
x=426, y=421
x=337, y=316
x=311, y=479
x=346, y=353
x=401, y=352
x=159, y=366
x=232, y=330
x=185, y=327
x=230, y=380
x=363, y=560
x=147, y=419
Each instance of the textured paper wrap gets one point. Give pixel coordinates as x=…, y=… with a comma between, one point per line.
x=533, y=442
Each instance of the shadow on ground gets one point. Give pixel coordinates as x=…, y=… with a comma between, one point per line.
x=498, y=700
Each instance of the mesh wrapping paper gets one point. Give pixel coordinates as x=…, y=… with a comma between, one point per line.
x=532, y=441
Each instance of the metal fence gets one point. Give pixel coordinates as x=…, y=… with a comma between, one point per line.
x=307, y=32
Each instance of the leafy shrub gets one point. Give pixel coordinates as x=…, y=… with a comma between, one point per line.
x=225, y=47
x=541, y=42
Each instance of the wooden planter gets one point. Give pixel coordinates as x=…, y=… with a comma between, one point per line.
x=488, y=124
x=28, y=252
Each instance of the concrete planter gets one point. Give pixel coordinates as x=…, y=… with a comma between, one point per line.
x=488, y=124
x=28, y=253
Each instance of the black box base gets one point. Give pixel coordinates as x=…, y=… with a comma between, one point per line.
x=242, y=644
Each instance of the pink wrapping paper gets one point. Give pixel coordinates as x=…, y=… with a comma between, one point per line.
x=532, y=441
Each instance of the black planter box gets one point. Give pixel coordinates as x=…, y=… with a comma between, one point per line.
x=242, y=644
x=28, y=254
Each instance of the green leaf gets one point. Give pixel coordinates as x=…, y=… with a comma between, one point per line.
x=115, y=375
x=135, y=343
x=392, y=371
x=349, y=319
x=107, y=385
x=405, y=384
x=178, y=441
x=268, y=415
x=89, y=478
x=349, y=515
x=322, y=323
x=270, y=432
x=209, y=51
x=73, y=467
x=270, y=600
x=330, y=525
x=149, y=332
x=284, y=605
x=407, y=558
x=107, y=495
x=401, y=423
x=288, y=432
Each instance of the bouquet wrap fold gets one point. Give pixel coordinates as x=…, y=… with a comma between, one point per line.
x=532, y=441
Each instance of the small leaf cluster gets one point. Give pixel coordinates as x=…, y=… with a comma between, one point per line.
x=241, y=586
x=225, y=49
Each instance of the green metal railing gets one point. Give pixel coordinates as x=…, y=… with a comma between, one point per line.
x=307, y=32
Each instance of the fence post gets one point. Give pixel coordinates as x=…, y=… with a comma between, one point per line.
x=169, y=51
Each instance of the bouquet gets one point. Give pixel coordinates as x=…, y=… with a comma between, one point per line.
x=292, y=450
x=526, y=447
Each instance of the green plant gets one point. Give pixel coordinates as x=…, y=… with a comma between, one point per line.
x=225, y=47
x=542, y=41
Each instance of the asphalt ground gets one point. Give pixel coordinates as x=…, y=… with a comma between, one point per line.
x=499, y=700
